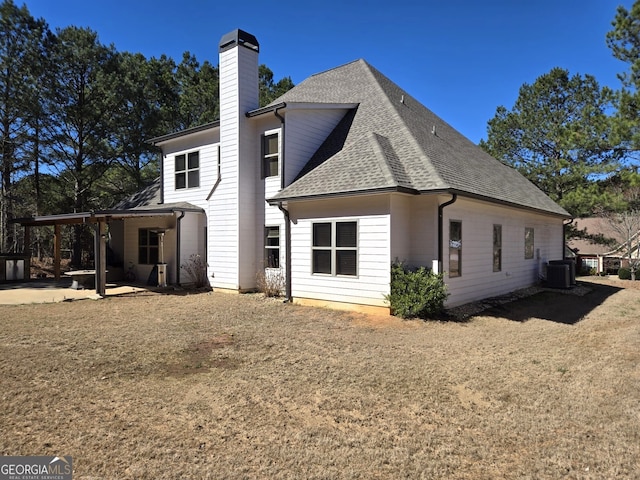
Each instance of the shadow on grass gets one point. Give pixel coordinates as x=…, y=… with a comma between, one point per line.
x=553, y=306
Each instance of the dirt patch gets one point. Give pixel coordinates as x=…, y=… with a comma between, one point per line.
x=233, y=386
x=198, y=357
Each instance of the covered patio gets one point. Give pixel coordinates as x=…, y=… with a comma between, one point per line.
x=99, y=220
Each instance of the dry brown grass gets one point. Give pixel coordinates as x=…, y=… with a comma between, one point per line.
x=222, y=386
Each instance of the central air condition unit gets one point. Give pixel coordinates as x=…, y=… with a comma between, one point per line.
x=572, y=268
x=558, y=276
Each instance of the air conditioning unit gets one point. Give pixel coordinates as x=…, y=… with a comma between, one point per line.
x=558, y=276
x=572, y=268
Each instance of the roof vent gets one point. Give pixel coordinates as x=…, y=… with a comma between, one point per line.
x=402, y=99
x=433, y=130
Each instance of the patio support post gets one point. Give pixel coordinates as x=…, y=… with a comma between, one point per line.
x=56, y=251
x=101, y=258
x=26, y=251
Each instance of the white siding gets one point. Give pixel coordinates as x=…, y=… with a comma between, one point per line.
x=372, y=281
x=478, y=280
x=232, y=252
x=305, y=132
x=400, y=239
x=206, y=143
x=131, y=227
x=424, y=230
x=192, y=241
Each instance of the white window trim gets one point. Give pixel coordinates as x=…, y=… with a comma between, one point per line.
x=333, y=248
x=268, y=247
x=186, y=170
x=267, y=133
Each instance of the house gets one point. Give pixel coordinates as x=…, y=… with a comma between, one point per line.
x=328, y=185
x=603, y=250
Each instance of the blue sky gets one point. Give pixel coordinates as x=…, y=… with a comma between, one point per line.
x=460, y=58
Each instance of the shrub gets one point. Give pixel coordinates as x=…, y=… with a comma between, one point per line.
x=271, y=282
x=625, y=273
x=415, y=292
x=196, y=268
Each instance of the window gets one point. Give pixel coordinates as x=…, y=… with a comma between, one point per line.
x=335, y=248
x=188, y=170
x=147, y=247
x=528, y=243
x=270, y=155
x=455, y=248
x=497, y=248
x=272, y=247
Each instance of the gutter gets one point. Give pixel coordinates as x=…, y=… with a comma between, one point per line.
x=271, y=108
x=454, y=197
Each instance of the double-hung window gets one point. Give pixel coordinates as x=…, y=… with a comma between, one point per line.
x=335, y=248
x=270, y=155
x=147, y=247
x=272, y=247
x=187, y=170
x=455, y=248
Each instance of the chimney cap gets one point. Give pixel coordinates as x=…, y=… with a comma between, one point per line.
x=239, y=37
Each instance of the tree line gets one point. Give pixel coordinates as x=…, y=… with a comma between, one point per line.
x=76, y=115
x=576, y=140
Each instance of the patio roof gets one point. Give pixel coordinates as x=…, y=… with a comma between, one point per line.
x=166, y=209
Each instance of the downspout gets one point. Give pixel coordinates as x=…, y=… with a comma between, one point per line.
x=287, y=219
x=182, y=214
x=287, y=250
x=454, y=197
x=218, y=179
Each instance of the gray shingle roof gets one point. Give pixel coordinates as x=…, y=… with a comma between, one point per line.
x=392, y=142
x=148, y=199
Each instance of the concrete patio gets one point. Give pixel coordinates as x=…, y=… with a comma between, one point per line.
x=50, y=291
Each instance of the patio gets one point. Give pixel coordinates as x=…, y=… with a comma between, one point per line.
x=52, y=291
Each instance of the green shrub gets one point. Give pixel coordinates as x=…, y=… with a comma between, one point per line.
x=415, y=292
x=625, y=274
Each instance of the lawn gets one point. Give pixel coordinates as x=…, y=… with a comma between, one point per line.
x=235, y=386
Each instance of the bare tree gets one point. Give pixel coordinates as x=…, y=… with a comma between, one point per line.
x=626, y=225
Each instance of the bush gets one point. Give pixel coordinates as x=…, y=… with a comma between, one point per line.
x=415, y=292
x=196, y=268
x=625, y=274
x=271, y=282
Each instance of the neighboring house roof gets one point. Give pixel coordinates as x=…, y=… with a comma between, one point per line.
x=391, y=142
x=594, y=226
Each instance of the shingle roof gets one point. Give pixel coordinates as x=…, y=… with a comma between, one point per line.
x=392, y=142
x=148, y=199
